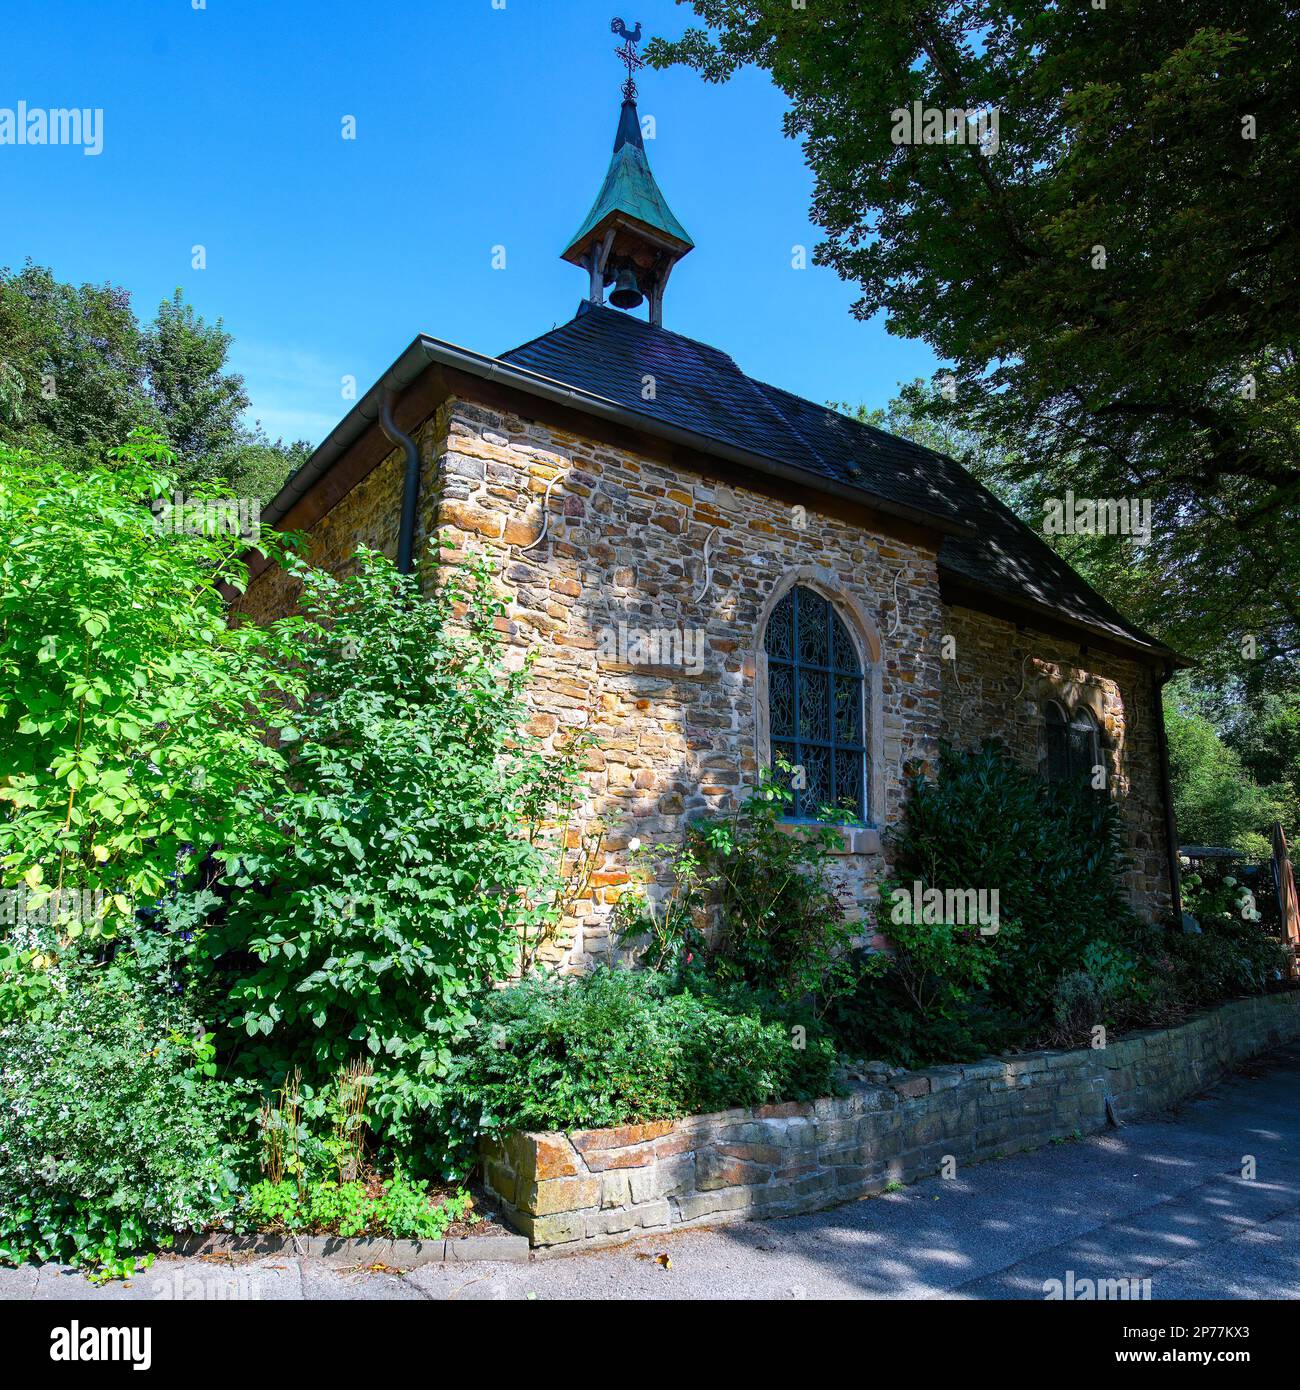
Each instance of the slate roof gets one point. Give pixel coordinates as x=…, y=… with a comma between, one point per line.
x=701, y=389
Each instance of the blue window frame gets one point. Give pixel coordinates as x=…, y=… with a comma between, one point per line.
x=817, y=716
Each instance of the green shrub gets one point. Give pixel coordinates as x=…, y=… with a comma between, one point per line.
x=1231, y=954
x=617, y=1047
x=127, y=739
x=403, y=1210
x=1053, y=853
x=1111, y=988
x=777, y=922
x=925, y=1002
x=402, y=868
x=1225, y=959
x=112, y=1127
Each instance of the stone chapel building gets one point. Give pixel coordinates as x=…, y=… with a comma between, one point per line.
x=714, y=570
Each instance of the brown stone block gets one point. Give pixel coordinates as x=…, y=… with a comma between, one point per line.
x=782, y=1110
x=621, y=1136
x=680, y=1141
x=542, y=1156
x=559, y=1194
x=467, y=517
x=714, y=1170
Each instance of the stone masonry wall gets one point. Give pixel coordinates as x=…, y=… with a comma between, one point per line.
x=1003, y=678
x=602, y=1187
x=370, y=515
x=633, y=544
x=625, y=549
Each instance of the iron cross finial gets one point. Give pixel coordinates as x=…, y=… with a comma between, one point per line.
x=627, y=54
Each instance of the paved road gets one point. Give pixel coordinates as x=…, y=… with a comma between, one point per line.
x=1163, y=1199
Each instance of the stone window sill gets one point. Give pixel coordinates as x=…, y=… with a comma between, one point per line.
x=853, y=839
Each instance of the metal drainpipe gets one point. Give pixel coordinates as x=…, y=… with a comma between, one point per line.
x=1171, y=828
x=410, y=484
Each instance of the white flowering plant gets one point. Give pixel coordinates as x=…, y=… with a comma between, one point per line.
x=112, y=1120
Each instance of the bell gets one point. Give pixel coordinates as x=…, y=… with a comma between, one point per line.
x=626, y=293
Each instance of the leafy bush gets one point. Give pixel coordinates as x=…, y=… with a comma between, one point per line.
x=1068, y=953
x=949, y=991
x=402, y=1209
x=927, y=1000
x=126, y=738
x=111, y=1131
x=763, y=887
x=1216, y=800
x=1110, y=988
x=1052, y=852
x=401, y=870
x=618, y=1047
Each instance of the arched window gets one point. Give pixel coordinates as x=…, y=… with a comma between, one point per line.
x=816, y=705
x=1073, y=744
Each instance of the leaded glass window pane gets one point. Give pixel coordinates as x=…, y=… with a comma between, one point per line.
x=780, y=696
x=848, y=709
x=816, y=694
x=814, y=705
x=1085, y=752
x=813, y=626
x=780, y=629
x=1073, y=746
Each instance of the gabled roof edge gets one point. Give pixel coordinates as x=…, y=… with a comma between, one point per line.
x=425, y=352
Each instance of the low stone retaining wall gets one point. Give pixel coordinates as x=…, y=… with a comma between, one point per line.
x=603, y=1186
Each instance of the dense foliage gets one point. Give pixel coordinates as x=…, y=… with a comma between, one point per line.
x=79, y=372
x=127, y=746
x=1113, y=283
x=1050, y=853
x=1216, y=801
x=618, y=1047
x=745, y=898
x=400, y=870
x=113, y=1130
x=336, y=824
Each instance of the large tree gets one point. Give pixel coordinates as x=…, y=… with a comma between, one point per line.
x=1114, y=279
x=79, y=372
x=198, y=400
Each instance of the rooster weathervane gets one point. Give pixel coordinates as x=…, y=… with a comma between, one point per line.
x=627, y=53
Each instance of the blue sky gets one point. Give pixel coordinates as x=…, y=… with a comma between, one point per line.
x=476, y=127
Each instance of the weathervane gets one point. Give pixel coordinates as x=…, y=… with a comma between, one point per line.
x=627, y=53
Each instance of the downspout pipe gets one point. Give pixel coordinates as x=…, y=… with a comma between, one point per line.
x=1166, y=787
x=410, y=482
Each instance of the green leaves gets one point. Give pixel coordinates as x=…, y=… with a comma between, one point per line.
x=126, y=744
x=111, y=1132
x=616, y=1047
x=1113, y=289
x=410, y=781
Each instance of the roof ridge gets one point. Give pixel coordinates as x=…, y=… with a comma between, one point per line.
x=764, y=388
x=587, y=309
